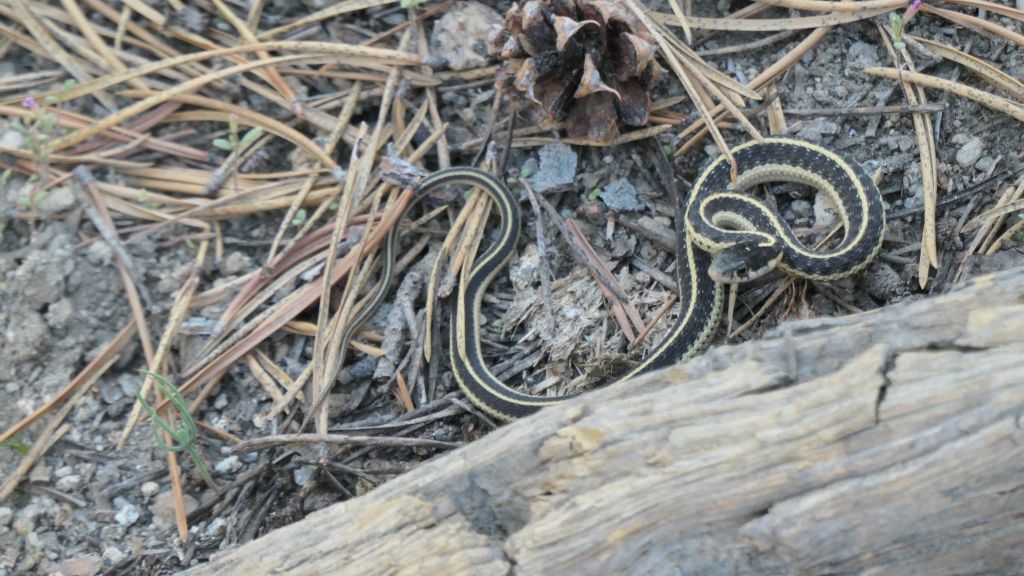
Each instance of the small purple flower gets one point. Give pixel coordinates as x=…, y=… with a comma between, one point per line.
x=911, y=10
x=29, y=103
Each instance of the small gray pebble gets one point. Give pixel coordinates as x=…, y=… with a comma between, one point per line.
x=228, y=465
x=69, y=483
x=557, y=168
x=620, y=196
x=216, y=528
x=149, y=489
x=970, y=152
x=6, y=514
x=127, y=515
x=824, y=211
x=112, y=555
x=801, y=208
x=40, y=473
x=110, y=392
x=12, y=139
x=303, y=475
x=220, y=402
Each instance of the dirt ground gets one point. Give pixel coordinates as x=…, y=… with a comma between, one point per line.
x=88, y=507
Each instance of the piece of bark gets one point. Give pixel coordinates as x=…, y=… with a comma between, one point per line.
x=888, y=442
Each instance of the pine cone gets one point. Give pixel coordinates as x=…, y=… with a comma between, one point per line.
x=590, y=63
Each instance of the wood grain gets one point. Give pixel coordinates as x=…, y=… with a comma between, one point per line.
x=888, y=442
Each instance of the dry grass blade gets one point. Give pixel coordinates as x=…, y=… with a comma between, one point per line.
x=178, y=311
x=90, y=373
x=54, y=51
x=749, y=46
x=762, y=79
x=287, y=309
x=982, y=68
x=681, y=16
x=448, y=264
x=69, y=120
x=986, y=99
x=929, y=256
x=344, y=118
x=249, y=38
x=624, y=138
x=30, y=80
x=697, y=95
x=355, y=55
x=139, y=107
x=245, y=116
x=176, y=316
x=403, y=393
x=338, y=440
x=836, y=6
x=58, y=159
x=979, y=24
x=338, y=9
x=324, y=367
x=147, y=12
x=92, y=201
x=769, y=24
x=95, y=41
x=999, y=211
x=332, y=343
x=49, y=436
x=626, y=315
x=1015, y=13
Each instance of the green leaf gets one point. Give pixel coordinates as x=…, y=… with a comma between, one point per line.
x=594, y=194
x=896, y=26
x=251, y=136
x=223, y=144
x=46, y=123
x=300, y=217
x=16, y=445
x=184, y=434
x=69, y=85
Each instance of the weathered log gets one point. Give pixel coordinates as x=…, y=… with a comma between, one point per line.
x=888, y=442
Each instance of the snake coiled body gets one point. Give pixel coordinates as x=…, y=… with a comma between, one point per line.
x=745, y=235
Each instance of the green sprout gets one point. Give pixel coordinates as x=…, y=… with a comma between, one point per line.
x=146, y=201
x=594, y=194
x=16, y=445
x=897, y=23
x=233, y=143
x=184, y=435
x=300, y=217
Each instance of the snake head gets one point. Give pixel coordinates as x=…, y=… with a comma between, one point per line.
x=744, y=261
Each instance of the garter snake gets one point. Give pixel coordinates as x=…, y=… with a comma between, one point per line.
x=746, y=236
